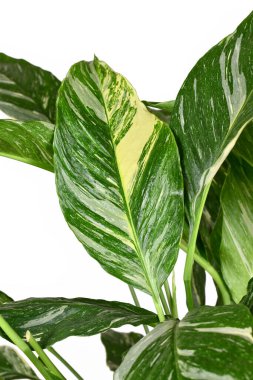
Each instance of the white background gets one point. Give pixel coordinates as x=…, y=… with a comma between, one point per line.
x=154, y=44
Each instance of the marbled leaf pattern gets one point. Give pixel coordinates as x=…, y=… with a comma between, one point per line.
x=210, y=343
x=118, y=176
x=28, y=141
x=212, y=108
x=53, y=319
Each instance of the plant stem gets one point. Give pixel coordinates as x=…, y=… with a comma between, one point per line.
x=137, y=303
x=43, y=356
x=164, y=303
x=213, y=273
x=169, y=296
x=15, y=338
x=191, y=249
x=63, y=361
x=174, y=296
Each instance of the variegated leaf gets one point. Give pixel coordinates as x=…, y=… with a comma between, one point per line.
x=236, y=253
x=209, y=343
x=28, y=141
x=53, y=319
x=212, y=108
x=118, y=176
x=117, y=344
x=247, y=300
x=27, y=92
x=13, y=366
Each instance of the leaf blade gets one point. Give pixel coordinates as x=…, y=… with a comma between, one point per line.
x=53, y=319
x=12, y=366
x=98, y=108
x=209, y=342
x=28, y=141
x=218, y=121
x=27, y=92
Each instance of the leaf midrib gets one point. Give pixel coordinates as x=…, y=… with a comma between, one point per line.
x=126, y=202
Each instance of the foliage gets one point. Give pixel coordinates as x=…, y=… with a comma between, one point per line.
x=137, y=181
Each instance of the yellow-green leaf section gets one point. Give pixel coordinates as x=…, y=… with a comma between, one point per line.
x=118, y=176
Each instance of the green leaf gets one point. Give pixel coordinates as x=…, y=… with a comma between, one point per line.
x=162, y=110
x=27, y=92
x=247, y=300
x=117, y=344
x=209, y=343
x=12, y=366
x=236, y=254
x=28, y=141
x=53, y=319
x=198, y=285
x=212, y=108
x=4, y=298
x=243, y=147
x=118, y=176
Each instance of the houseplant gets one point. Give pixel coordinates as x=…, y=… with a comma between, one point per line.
x=136, y=181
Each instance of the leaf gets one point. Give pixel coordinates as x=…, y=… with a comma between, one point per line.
x=27, y=92
x=118, y=176
x=198, y=285
x=28, y=141
x=162, y=110
x=209, y=343
x=247, y=300
x=117, y=344
x=212, y=108
x=236, y=254
x=12, y=366
x=4, y=298
x=243, y=147
x=53, y=319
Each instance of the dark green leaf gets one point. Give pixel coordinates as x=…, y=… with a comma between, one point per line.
x=118, y=176
x=198, y=285
x=27, y=92
x=243, y=147
x=212, y=108
x=53, y=319
x=28, y=141
x=117, y=344
x=4, y=298
x=209, y=343
x=236, y=253
x=12, y=366
x=248, y=299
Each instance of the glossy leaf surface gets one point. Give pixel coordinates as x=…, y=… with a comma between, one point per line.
x=27, y=92
x=212, y=108
x=53, y=319
x=28, y=141
x=117, y=344
x=236, y=253
x=12, y=366
x=209, y=343
x=162, y=110
x=118, y=176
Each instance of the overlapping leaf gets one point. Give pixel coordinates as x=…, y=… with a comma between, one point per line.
x=28, y=141
x=12, y=366
x=236, y=253
x=118, y=176
x=212, y=108
x=117, y=344
x=53, y=319
x=209, y=343
x=247, y=300
x=4, y=298
x=27, y=92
